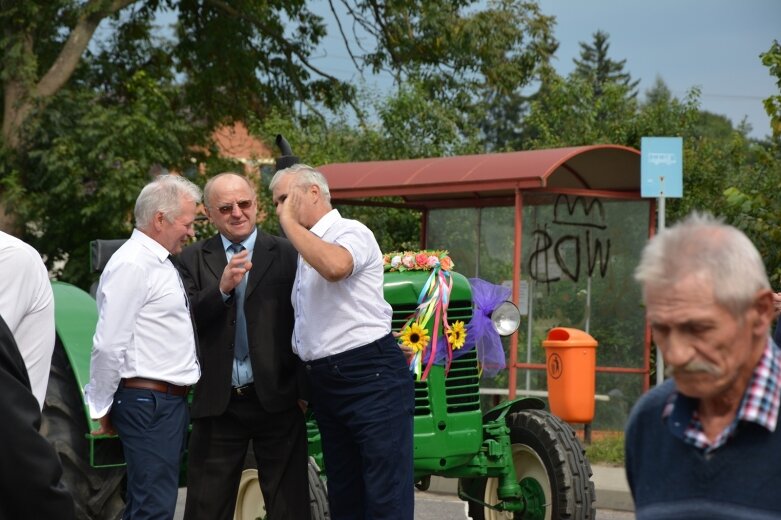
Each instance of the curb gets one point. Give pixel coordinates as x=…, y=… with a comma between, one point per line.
x=610, y=485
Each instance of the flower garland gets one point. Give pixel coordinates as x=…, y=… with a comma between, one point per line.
x=433, y=303
x=425, y=260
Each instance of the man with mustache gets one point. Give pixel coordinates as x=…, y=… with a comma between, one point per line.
x=705, y=444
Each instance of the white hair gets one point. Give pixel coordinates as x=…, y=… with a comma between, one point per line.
x=304, y=176
x=704, y=246
x=164, y=194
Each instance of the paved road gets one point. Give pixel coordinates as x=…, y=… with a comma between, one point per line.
x=436, y=506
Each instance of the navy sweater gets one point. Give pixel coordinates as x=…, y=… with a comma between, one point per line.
x=670, y=479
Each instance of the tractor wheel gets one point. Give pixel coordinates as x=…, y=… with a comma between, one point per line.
x=250, y=504
x=97, y=493
x=554, y=475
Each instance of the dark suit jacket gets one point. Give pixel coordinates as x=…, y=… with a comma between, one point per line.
x=30, y=470
x=276, y=369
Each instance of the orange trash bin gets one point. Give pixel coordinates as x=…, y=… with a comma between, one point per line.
x=570, y=357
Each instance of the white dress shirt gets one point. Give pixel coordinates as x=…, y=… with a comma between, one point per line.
x=27, y=306
x=333, y=317
x=144, y=327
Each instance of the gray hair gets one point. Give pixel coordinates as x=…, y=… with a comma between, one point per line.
x=164, y=194
x=207, y=189
x=304, y=176
x=704, y=246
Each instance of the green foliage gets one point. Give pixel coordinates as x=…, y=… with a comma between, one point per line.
x=70, y=187
x=772, y=60
x=571, y=113
x=598, y=70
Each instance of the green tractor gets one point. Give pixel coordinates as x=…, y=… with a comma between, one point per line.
x=513, y=461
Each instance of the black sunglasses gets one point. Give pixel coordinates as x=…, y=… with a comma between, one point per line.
x=242, y=204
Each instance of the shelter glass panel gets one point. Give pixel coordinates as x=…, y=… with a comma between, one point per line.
x=578, y=257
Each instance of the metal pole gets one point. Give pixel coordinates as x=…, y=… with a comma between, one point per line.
x=659, y=360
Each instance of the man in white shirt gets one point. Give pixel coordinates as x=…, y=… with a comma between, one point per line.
x=362, y=392
x=144, y=349
x=27, y=306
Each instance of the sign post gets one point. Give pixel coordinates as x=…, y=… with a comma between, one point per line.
x=661, y=176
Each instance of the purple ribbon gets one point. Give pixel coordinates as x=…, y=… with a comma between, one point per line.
x=480, y=332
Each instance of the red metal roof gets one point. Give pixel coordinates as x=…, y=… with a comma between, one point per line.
x=597, y=167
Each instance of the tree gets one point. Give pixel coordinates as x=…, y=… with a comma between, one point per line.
x=598, y=70
x=753, y=199
x=462, y=56
x=68, y=89
x=772, y=60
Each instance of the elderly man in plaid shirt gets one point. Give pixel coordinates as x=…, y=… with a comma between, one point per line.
x=706, y=443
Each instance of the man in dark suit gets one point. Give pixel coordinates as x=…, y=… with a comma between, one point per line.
x=30, y=471
x=250, y=383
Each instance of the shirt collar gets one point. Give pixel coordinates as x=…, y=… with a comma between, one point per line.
x=325, y=222
x=248, y=243
x=151, y=244
x=760, y=404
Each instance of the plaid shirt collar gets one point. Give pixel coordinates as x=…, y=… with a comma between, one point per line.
x=760, y=405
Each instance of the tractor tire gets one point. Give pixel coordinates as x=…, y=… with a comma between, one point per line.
x=318, y=494
x=551, y=467
x=249, y=500
x=97, y=493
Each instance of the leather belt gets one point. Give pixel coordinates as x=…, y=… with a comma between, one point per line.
x=157, y=386
x=243, y=391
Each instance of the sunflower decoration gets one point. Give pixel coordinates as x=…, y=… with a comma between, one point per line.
x=415, y=337
x=456, y=336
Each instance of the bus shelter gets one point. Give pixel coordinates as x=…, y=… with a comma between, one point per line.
x=563, y=228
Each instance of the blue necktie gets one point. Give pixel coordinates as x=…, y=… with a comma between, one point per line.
x=241, y=348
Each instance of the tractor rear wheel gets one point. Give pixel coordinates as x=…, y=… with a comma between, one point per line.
x=554, y=475
x=97, y=493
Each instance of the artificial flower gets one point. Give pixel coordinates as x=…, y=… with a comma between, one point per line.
x=456, y=336
x=415, y=337
x=424, y=260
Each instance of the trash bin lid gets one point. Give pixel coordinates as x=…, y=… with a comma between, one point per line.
x=566, y=337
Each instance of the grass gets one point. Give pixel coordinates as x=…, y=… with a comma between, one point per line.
x=606, y=448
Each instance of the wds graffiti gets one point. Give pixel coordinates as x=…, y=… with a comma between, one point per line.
x=555, y=255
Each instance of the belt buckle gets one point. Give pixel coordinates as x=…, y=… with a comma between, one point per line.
x=242, y=391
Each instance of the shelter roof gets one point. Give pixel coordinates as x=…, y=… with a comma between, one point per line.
x=487, y=176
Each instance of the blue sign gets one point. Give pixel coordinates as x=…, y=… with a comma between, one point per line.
x=661, y=167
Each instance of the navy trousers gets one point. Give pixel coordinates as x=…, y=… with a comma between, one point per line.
x=363, y=400
x=152, y=427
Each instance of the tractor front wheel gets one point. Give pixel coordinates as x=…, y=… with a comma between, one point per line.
x=554, y=475
x=250, y=504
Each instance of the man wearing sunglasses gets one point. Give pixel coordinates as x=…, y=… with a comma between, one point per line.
x=239, y=283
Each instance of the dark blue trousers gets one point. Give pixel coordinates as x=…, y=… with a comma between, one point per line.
x=363, y=400
x=152, y=427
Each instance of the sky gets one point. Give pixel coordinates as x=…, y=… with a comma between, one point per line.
x=710, y=44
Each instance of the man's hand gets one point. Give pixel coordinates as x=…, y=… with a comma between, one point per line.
x=288, y=209
x=106, y=428
x=236, y=269
x=408, y=351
